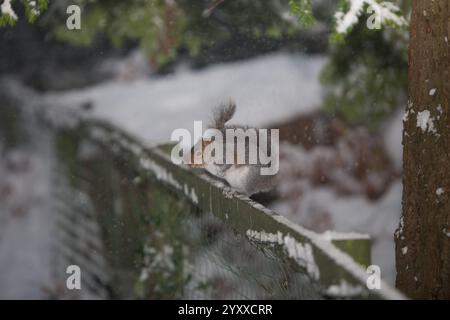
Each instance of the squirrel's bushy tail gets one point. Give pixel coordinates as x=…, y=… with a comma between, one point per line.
x=223, y=114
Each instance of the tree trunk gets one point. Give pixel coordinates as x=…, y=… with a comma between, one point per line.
x=423, y=237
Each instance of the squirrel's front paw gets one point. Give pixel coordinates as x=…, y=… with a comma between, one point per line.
x=229, y=193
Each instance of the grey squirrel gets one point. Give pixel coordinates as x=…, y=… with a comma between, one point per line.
x=245, y=178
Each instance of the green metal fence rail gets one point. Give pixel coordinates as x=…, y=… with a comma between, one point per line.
x=337, y=266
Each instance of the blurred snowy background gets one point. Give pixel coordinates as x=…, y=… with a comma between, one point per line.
x=338, y=107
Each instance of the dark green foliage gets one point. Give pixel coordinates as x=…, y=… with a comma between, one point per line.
x=302, y=9
x=366, y=76
x=163, y=28
x=33, y=9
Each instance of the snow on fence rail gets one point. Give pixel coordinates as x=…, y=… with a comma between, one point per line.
x=336, y=262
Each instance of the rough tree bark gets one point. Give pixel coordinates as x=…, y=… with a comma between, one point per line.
x=423, y=236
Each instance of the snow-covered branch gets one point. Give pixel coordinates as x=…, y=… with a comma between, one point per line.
x=6, y=9
x=33, y=9
x=384, y=12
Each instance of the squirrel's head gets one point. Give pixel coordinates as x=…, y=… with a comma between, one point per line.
x=197, y=152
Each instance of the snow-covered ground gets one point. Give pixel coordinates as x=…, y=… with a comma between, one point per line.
x=26, y=225
x=266, y=89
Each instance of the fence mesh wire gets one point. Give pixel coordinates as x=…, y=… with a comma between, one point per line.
x=133, y=238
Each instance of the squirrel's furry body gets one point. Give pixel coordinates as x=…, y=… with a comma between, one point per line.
x=245, y=178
